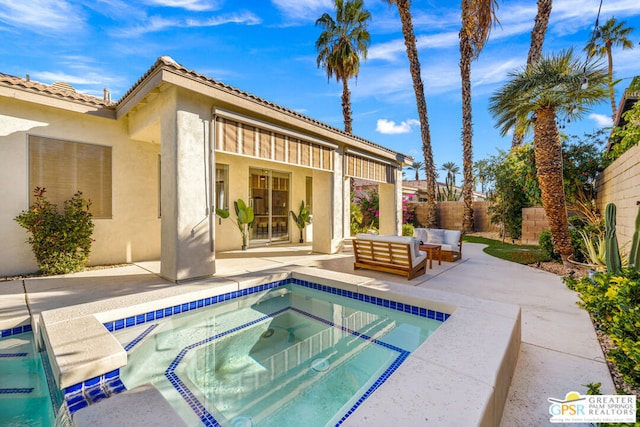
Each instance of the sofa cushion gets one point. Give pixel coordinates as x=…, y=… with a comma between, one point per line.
x=420, y=234
x=416, y=248
x=452, y=237
x=416, y=254
x=435, y=236
x=385, y=238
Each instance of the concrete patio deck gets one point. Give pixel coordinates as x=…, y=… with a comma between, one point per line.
x=559, y=351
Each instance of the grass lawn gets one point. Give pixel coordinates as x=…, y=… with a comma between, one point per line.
x=522, y=254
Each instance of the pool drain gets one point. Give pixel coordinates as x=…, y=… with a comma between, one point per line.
x=241, y=421
x=320, y=365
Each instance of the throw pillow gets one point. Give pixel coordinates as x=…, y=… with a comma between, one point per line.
x=435, y=236
x=416, y=248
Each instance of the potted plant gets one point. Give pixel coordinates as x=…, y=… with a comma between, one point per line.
x=244, y=221
x=301, y=219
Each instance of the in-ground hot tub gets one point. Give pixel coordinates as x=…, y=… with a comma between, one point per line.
x=469, y=360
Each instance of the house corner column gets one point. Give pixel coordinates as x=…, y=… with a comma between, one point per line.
x=185, y=179
x=390, y=205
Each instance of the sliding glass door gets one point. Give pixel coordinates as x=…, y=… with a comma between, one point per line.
x=269, y=196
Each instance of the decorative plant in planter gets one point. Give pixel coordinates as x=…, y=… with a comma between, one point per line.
x=244, y=219
x=61, y=242
x=301, y=219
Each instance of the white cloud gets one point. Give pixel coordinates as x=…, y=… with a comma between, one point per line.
x=307, y=10
x=159, y=23
x=192, y=5
x=601, y=120
x=42, y=16
x=244, y=17
x=390, y=127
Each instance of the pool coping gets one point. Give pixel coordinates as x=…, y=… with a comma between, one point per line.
x=461, y=376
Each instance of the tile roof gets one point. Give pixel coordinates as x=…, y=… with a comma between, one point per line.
x=64, y=91
x=167, y=62
x=58, y=90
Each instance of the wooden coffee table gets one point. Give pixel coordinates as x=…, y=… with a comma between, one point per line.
x=432, y=248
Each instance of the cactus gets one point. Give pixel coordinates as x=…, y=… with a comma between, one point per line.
x=634, y=255
x=612, y=252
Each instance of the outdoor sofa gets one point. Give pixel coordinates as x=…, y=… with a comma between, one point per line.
x=391, y=254
x=450, y=241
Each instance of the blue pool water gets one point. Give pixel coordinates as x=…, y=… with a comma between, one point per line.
x=275, y=357
x=24, y=394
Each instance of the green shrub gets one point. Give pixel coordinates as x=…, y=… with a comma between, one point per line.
x=407, y=230
x=545, y=242
x=614, y=304
x=61, y=242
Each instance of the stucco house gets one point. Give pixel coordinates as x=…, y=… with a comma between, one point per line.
x=156, y=164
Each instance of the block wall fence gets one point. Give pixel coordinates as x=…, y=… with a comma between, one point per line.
x=620, y=184
x=449, y=215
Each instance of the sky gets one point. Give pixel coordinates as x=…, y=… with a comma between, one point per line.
x=267, y=48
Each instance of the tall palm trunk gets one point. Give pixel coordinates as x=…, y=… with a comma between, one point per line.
x=611, y=93
x=548, y=155
x=414, y=66
x=535, y=49
x=346, y=106
x=466, y=53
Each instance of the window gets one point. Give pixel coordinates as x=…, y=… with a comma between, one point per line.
x=64, y=167
x=222, y=186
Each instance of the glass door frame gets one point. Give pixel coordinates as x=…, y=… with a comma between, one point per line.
x=269, y=195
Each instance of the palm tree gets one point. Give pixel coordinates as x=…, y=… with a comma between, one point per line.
x=481, y=168
x=537, y=95
x=414, y=67
x=535, y=51
x=611, y=34
x=417, y=167
x=341, y=45
x=478, y=16
x=452, y=170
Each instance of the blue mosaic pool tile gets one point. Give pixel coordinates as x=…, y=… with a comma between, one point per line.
x=15, y=331
x=91, y=382
x=112, y=374
x=12, y=355
x=119, y=324
x=130, y=321
x=76, y=388
x=16, y=390
x=137, y=340
x=77, y=406
x=93, y=390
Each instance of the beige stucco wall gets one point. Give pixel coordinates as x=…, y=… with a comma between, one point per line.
x=620, y=184
x=133, y=232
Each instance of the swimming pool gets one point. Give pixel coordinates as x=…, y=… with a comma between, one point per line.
x=24, y=395
x=273, y=357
